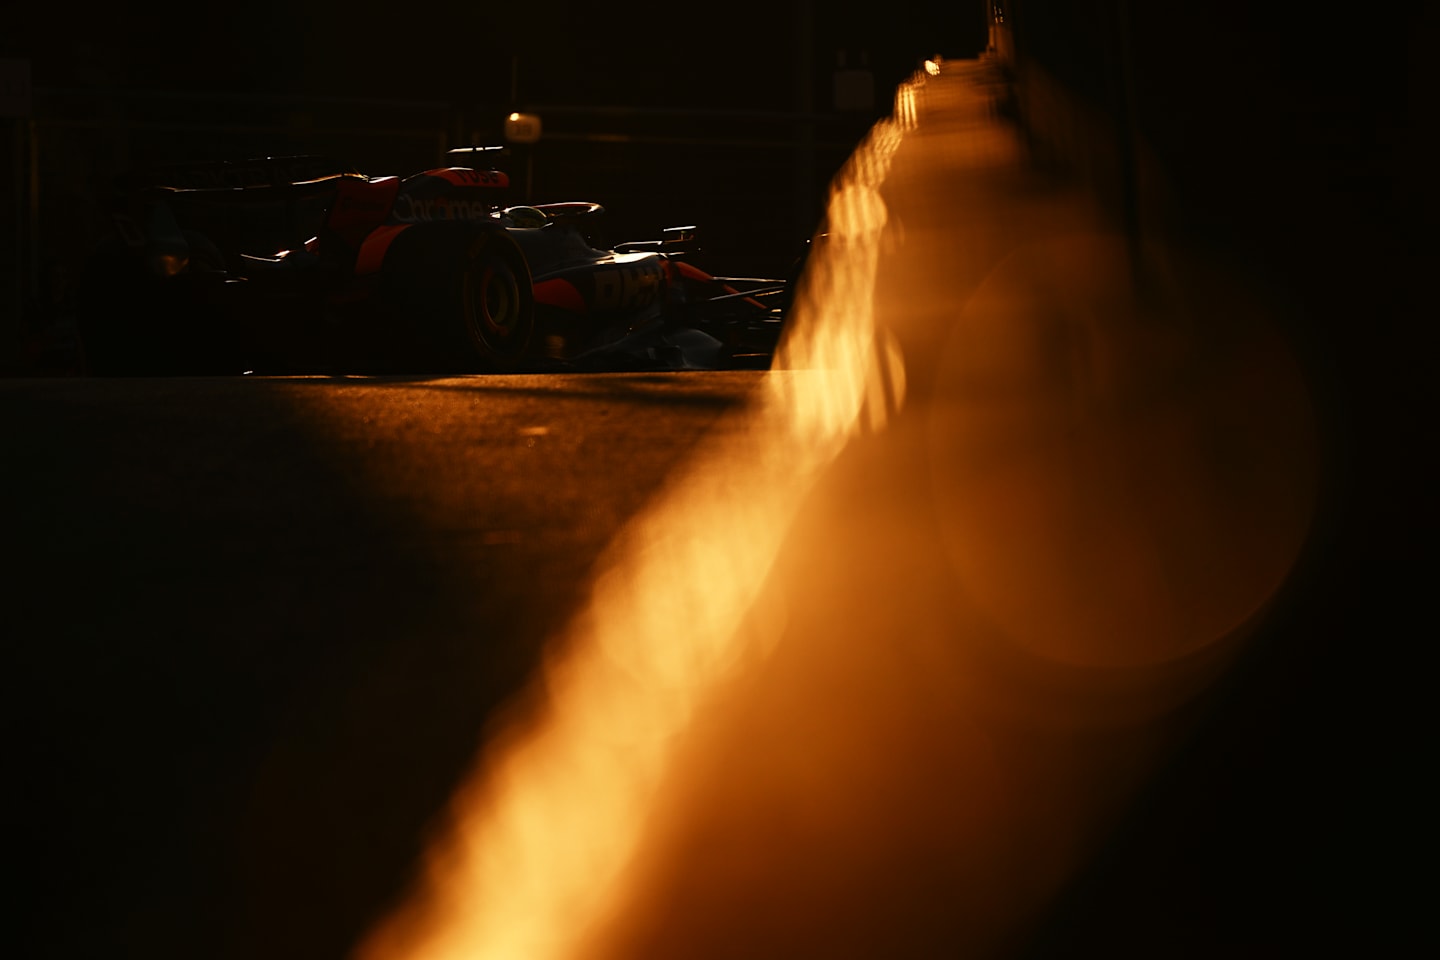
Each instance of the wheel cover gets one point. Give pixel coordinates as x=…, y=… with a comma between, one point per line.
x=494, y=304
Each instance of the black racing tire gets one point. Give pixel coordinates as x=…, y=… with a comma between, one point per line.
x=455, y=300
x=134, y=323
x=494, y=306
x=109, y=310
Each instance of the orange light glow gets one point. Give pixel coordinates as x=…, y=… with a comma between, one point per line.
x=876, y=666
x=558, y=805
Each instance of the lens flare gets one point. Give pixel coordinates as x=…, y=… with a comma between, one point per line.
x=869, y=676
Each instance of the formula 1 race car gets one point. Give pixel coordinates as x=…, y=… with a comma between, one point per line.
x=433, y=272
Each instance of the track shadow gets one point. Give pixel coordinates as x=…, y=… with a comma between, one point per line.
x=247, y=669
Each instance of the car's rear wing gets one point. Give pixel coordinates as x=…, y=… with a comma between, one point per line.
x=259, y=204
x=259, y=173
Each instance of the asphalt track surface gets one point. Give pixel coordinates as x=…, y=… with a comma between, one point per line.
x=260, y=625
x=259, y=628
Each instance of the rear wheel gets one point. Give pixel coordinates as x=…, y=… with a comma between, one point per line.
x=496, y=309
x=455, y=301
x=134, y=321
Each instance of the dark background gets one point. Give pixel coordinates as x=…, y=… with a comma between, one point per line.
x=722, y=117
x=741, y=54
x=1299, y=142
x=1299, y=145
